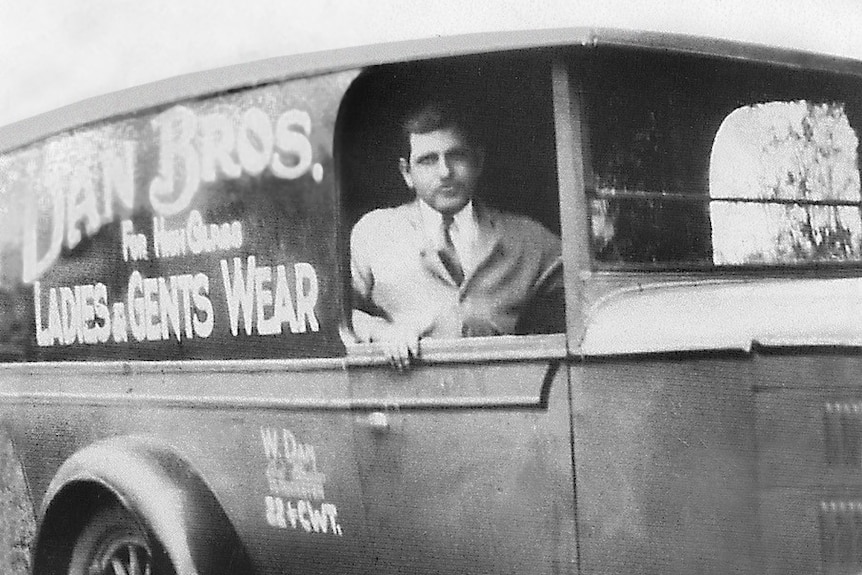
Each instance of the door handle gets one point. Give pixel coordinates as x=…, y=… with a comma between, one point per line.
x=378, y=421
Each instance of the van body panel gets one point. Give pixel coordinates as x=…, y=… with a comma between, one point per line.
x=666, y=462
x=808, y=432
x=206, y=226
x=725, y=314
x=258, y=464
x=438, y=501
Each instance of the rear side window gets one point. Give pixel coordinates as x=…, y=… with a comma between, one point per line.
x=700, y=162
x=784, y=184
x=204, y=230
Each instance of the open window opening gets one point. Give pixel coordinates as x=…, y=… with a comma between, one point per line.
x=503, y=115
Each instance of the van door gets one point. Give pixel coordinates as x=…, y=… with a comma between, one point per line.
x=465, y=457
x=465, y=460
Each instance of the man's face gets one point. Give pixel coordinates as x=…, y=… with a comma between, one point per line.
x=443, y=169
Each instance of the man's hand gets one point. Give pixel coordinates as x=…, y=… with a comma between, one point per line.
x=399, y=343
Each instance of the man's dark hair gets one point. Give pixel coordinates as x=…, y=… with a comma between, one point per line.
x=438, y=114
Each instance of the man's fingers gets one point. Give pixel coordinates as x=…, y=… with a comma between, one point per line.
x=412, y=347
x=400, y=347
x=399, y=355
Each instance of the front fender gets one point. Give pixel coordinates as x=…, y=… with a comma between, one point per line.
x=160, y=487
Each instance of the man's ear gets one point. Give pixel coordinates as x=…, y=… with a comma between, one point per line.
x=404, y=168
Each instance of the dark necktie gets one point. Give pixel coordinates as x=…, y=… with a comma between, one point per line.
x=447, y=253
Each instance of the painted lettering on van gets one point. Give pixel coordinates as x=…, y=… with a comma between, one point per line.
x=283, y=513
x=195, y=237
x=263, y=297
x=296, y=492
x=156, y=308
x=100, y=183
x=196, y=149
x=291, y=465
x=180, y=307
x=88, y=198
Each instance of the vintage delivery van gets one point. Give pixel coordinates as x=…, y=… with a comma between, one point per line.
x=182, y=392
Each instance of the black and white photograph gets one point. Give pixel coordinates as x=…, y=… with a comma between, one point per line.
x=450, y=288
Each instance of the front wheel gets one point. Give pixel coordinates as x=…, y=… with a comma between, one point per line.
x=113, y=543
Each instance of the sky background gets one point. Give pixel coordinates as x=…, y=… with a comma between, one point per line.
x=56, y=52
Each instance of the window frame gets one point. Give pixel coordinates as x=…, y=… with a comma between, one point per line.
x=676, y=269
x=573, y=231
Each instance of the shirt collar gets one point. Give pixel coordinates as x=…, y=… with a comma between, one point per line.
x=464, y=231
x=432, y=219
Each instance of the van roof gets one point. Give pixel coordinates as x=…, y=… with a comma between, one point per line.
x=152, y=95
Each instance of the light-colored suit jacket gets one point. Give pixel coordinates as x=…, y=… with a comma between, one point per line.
x=398, y=276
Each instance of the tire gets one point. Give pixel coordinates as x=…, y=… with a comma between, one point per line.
x=113, y=543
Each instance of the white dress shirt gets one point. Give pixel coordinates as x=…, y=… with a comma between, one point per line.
x=463, y=232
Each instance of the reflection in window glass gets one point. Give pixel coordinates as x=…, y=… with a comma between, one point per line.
x=785, y=151
x=650, y=134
